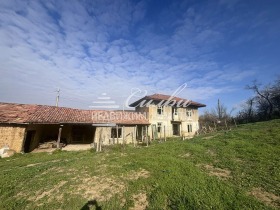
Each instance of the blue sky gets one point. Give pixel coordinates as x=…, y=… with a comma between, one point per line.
x=87, y=48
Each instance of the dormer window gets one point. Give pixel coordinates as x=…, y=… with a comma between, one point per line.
x=160, y=110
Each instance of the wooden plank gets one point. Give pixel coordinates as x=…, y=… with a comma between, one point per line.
x=142, y=133
x=117, y=127
x=164, y=133
x=147, y=139
x=58, y=138
x=123, y=137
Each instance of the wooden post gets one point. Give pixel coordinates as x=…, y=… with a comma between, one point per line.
x=147, y=139
x=97, y=146
x=97, y=142
x=164, y=133
x=234, y=122
x=152, y=132
x=117, y=127
x=181, y=133
x=136, y=133
x=100, y=140
x=123, y=137
x=132, y=137
x=58, y=138
x=142, y=133
x=226, y=123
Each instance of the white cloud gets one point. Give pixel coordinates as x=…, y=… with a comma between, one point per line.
x=85, y=50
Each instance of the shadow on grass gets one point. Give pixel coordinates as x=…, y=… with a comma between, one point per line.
x=92, y=204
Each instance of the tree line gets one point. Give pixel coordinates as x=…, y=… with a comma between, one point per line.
x=263, y=105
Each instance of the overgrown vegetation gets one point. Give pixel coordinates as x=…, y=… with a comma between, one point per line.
x=264, y=105
x=237, y=169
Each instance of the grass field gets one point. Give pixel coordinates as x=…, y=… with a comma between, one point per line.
x=238, y=169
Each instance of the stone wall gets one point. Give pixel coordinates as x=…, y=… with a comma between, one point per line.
x=168, y=118
x=104, y=133
x=13, y=136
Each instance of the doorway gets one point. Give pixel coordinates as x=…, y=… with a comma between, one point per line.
x=29, y=138
x=176, y=129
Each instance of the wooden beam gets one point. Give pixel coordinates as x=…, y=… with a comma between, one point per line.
x=147, y=139
x=164, y=133
x=123, y=137
x=136, y=133
x=132, y=137
x=58, y=138
x=100, y=140
x=142, y=133
x=181, y=133
x=117, y=127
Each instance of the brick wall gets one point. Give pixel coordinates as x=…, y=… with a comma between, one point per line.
x=13, y=136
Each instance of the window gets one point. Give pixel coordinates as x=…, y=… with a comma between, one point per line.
x=189, y=128
x=189, y=113
x=159, y=126
x=114, y=133
x=175, y=110
x=160, y=110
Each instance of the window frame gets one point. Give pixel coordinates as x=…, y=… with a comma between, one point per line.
x=175, y=111
x=119, y=132
x=189, y=128
x=160, y=109
x=189, y=113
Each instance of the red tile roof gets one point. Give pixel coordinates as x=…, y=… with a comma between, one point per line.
x=160, y=97
x=43, y=114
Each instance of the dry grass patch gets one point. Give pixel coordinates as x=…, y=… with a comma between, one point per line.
x=140, y=201
x=50, y=193
x=42, y=163
x=99, y=188
x=209, y=137
x=238, y=160
x=218, y=172
x=134, y=175
x=185, y=155
x=211, y=152
x=266, y=197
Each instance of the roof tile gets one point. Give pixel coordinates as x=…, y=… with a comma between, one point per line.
x=162, y=97
x=43, y=114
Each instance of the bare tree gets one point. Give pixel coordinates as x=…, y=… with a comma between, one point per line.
x=247, y=113
x=263, y=97
x=220, y=111
x=217, y=118
x=275, y=96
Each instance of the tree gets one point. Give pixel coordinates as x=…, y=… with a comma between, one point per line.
x=247, y=113
x=220, y=111
x=275, y=96
x=263, y=98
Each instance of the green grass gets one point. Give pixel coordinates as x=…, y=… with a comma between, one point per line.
x=238, y=169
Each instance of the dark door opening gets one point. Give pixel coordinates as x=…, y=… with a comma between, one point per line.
x=29, y=138
x=82, y=134
x=176, y=129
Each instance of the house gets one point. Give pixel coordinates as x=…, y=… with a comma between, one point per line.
x=169, y=115
x=24, y=126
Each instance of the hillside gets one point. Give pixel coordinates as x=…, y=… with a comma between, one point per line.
x=237, y=169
